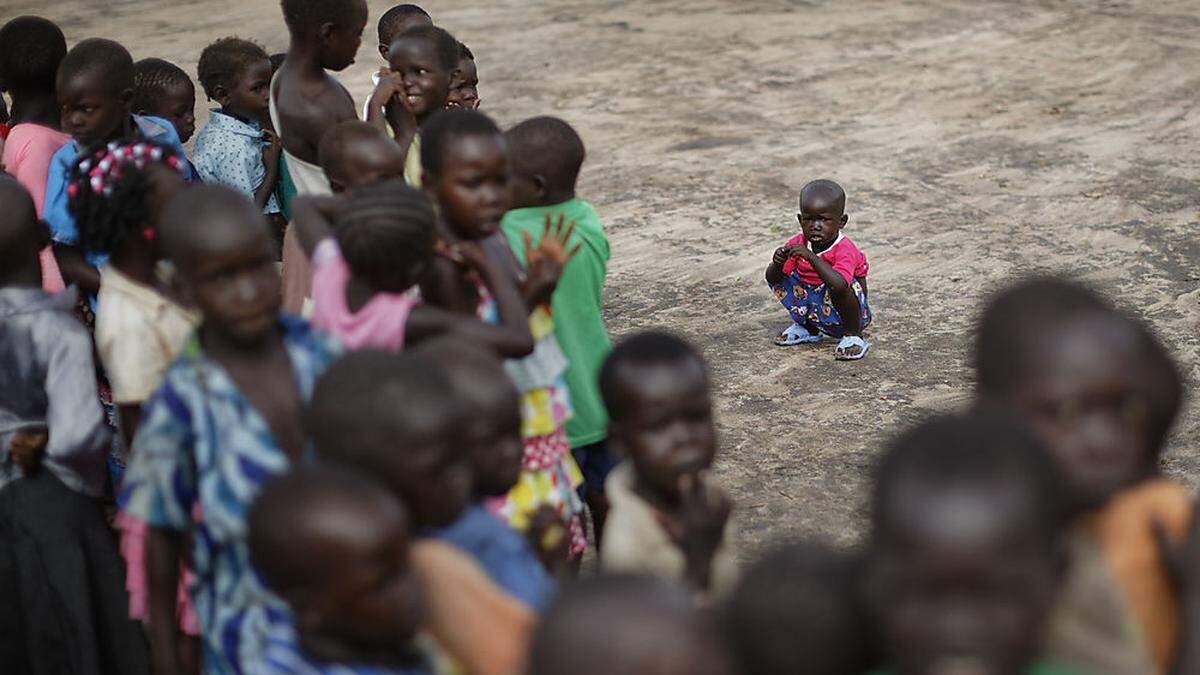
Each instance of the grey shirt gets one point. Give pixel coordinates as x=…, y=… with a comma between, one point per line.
x=48, y=379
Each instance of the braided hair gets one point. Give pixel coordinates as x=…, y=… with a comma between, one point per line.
x=385, y=230
x=108, y=192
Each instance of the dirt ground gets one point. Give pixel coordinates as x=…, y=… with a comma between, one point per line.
x=978, y=142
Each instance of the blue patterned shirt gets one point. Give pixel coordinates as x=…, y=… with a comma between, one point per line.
x=201, y=455
x=229, y=152
x=282, y=655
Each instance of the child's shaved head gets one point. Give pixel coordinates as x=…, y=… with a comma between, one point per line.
x=399, y=19
x=354, y=153
x=625, y=625
x=109, y=60
x=822, y=194
x=31, y=49
x=546, y=154
x=203, y=217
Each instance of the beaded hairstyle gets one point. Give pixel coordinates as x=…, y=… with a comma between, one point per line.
x=109, y=189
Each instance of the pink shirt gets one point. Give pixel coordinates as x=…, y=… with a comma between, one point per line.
x=379, y=324
x=27, y=154
x=843, y=256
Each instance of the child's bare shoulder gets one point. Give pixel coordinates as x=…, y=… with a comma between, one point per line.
x=307, y=107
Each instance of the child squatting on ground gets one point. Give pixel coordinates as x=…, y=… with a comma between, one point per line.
x=820, y=276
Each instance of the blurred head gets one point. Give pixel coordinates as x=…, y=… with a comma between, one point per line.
x=822, y=212
x=354, y=153
x=95, y=90
x=31, y=49
x=397, y=418
x=492, y=433
x=236, y=73
x=397, y=20
x=465, y=169
x=622, y=625
x=1096, y=385
x=966, y=553
x=22, y=235
x=385, y=232
x=464, y=86
x=163, y=89
x=546, y=154
x=117, y=193
x=334, y=27
x=656, y=388
x=425, y=58
x=797, y=610
x=334, y=544
x=218, y=243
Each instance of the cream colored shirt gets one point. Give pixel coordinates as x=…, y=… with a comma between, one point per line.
x=138, y=333
x=635, y=542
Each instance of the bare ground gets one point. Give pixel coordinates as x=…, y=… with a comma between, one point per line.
x=978, y=141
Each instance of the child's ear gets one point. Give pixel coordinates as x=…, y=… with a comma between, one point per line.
x=539, y=181
x=385, y=51
x=126, y=98
x=845, y=219
x=220, y=94
x=325, y=31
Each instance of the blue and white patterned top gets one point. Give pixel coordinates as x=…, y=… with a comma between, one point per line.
x=229, y=151
x=282, y=656
x=201, y=455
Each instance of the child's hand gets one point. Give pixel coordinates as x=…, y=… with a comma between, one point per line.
x=550, y=539
x=271, y=152
x=547, y=261
x=27, y=449
x=470, y=255
x=781, y=255
x=699, y=527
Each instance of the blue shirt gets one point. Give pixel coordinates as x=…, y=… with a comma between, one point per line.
x=281, y=655
x=502, y=553
x=229, y=152
x=200, y=457
x=63, y=228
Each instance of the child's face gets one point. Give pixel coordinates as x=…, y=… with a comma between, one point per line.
x=431, y=470
x=1086, y=399
x=464, y=86
x=178, y=106
x=493, y=435
x=962, y=582
x=231, y=277
x=91, y=111
x=369, y=161
x=821, y=221
x=340, y=44
x=472, y=186
x=666, y=424
x=250, y=95
x=426, y=80
x=375, y=603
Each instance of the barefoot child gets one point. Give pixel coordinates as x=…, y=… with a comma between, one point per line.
x=30, y=50
x=965, y=555
x=545, y=156
x=335, y=546
x=466, y=171
x=369, y=405
x=95, y=92
x=305, y=100
x=665, y=519
x=163, y=89
x=423, y=59
x=820, y=276
x=60, y=558
x=362, y=277
x=233, y=148
x=225, y=419
x=1102, y=392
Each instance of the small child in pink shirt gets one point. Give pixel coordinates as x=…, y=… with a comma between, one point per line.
x=820, y=276
x=368, y=251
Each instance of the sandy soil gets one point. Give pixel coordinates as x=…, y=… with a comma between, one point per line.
x=978, y=141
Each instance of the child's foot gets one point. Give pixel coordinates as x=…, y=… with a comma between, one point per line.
x=797, y=334
x=851, y=348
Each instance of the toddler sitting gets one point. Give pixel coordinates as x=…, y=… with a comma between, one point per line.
x=820, y=276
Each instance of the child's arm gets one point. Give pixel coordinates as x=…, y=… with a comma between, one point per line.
x=862, y=282
x=164, y=549
x=698, y=530
x=76, y=269
x=387, y=109
x=775, y=269
x=312, y=218
x=270, y=160
x=79, y=436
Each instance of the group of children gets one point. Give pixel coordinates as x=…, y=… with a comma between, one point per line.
x=392, y=475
